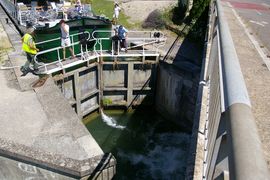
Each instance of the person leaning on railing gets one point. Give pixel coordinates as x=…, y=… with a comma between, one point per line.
x=122, y=35
x=29, y=47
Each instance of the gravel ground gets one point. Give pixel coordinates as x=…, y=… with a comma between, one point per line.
x=138, y=11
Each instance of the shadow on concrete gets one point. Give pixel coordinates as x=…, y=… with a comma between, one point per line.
x=104, y=163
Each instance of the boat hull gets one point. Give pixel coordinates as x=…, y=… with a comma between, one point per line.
x=77, y=25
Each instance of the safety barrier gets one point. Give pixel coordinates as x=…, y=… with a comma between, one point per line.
x=71, y=38
x=139, y=38
x=59, y=61
x=98, y=50
x=224, y=121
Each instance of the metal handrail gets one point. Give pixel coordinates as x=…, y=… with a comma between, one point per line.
x=227, y=142
x=98, y=41
x=151, y=33
x=232, y=145
x=145, y=41
x=245, y=149
x=71, y=36
x=57, y=49
x=152, y=39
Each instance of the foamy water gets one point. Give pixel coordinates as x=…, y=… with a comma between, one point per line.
x=145, y=146
x=162, y=160
x=111, y=121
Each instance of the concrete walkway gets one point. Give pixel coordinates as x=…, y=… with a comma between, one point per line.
x=256, y=74
x=39, y=127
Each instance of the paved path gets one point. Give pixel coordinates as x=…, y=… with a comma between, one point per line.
x=256, y=15
x=253, y=65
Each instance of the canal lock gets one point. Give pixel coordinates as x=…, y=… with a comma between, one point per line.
x=147, y=116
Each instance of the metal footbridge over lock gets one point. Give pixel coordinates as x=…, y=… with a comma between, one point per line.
x=141, y=44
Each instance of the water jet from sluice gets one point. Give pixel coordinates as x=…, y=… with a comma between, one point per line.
x=145, y=145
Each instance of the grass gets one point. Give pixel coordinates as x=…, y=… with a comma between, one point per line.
x=168, y=14
x=105, y=7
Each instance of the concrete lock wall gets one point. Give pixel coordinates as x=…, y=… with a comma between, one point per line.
x=125, y=84
x=80, y=88
x=131, y=83
x=176, y=94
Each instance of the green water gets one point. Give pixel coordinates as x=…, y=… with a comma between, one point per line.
x=144, y=145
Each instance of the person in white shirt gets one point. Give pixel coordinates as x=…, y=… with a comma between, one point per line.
x=65, y=39
x=117, y=10
x=78, y=3
x=78, y=6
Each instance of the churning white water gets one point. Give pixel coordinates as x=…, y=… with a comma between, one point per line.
x=162, y=159
x=110, y=121
x=145, y=145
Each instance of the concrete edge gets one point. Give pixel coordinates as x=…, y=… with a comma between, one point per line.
x=55, y=162
x=27, y=81
x=196, y=158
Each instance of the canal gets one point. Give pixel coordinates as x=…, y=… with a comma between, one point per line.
x=145, y=145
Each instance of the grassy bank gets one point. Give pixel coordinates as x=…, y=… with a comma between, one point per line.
x=193, y=25
x=105, y=7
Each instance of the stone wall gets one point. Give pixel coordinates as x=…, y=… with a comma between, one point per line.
x=176, y=94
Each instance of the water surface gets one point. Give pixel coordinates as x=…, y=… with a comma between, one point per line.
x=145, y=145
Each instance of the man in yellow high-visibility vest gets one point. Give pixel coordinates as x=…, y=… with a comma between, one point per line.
x=29, y=47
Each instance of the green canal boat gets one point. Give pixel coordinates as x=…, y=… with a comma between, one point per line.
x=51, y=36
x=45, y=16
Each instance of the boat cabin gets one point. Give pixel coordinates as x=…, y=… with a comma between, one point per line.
x=47, y=13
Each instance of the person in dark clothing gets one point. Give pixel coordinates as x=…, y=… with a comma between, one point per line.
x=115, y=40
x=83, y=38
x=122, y=35
x=46, y=6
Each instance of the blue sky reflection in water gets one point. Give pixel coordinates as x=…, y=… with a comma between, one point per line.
x=145, y=145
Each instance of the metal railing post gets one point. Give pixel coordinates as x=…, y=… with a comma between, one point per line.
x=118, y=47
x=143, y=46
x=112, y=50
x=98, y=41
x=59, y=59
x=82, y=54
x=100, y=45
x=72, y=40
